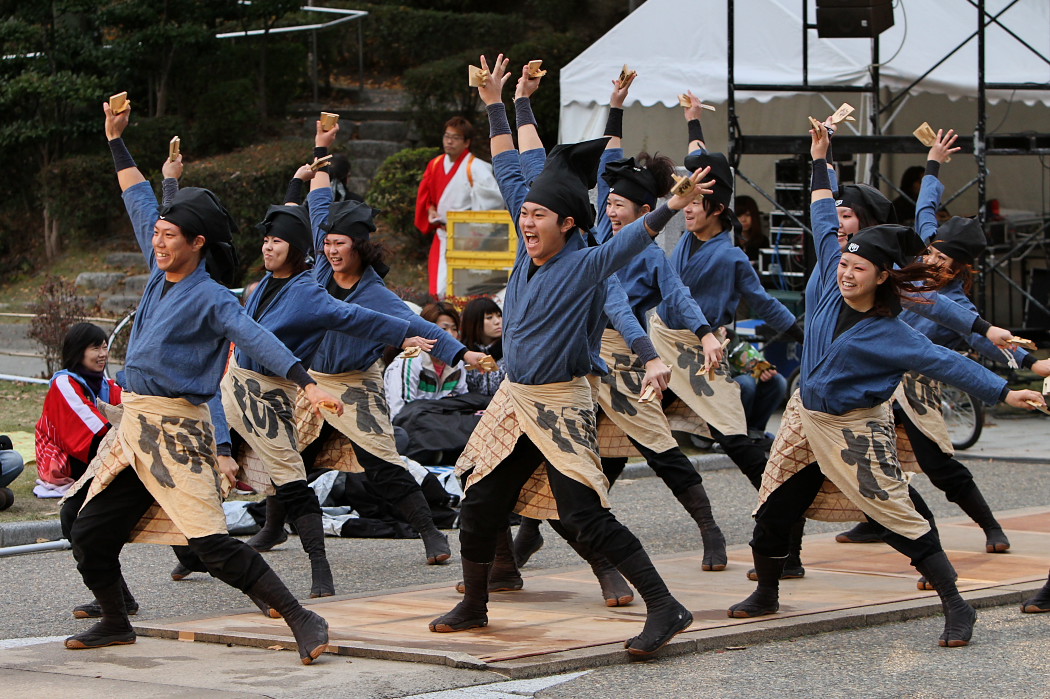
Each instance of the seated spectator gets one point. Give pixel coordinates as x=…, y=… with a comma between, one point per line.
x=482, y=331
x=425, y=377
x=11, y=465
x=751, y=236
x=429, y=404
x=904, y=206
x=762, y=390
x=72, y=425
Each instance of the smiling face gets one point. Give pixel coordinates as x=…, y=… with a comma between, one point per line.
x=339, y=249
x=176, y=256
x=858, y=277
x=492, y=328
x=275, y=256
x=699, y=221
x=95, y=357
x=544, y=236
x=620, y=211
x=849, y=224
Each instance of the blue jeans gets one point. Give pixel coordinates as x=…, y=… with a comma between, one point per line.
x=760, y=398
x=11, y=465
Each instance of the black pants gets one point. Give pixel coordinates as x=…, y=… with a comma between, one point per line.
x=298, y=499
x=943, y=470
x=672, y=466
x=391, y=480
x=488, y=502
x=103, y=526
x=748, y=457
x=788, y=503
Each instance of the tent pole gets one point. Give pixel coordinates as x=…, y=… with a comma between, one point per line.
x=731, y=118
x=876, y=111
x=982, y=116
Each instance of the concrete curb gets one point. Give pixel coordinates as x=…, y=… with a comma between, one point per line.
x=22, y=533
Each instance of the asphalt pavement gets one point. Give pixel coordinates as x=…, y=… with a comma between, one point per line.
x=1007, y=658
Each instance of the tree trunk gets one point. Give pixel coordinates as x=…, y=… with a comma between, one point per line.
x=263, y=107
x=52, y=245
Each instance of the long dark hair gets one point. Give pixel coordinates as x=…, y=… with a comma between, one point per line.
x=472, y=329
x=911, y=279
x=77, y=340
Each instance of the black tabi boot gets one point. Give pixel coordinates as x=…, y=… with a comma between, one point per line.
x=310, y=629
x=416, y=511
x=114, y=628
x=862, y=533
x=472, y=612
x=527, y=541
x=504, y=576
x=272, y=532
x=1040, y=603
x=697, y=504
x=93, y=610
x=311, y=536
x=766, y=597
x=615, y=590
x=792, y=569
x=975, y=506
x=959, y=616
x=664, y=615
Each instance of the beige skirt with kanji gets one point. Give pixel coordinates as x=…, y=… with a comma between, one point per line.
x=365, y=420
x=715, y=400
x=857, y=454
x=262, y=410
x=920, y=398
x=170, y=444
x=621, y=414
x=559, y=419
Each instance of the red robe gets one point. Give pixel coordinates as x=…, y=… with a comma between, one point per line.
x=435, y=179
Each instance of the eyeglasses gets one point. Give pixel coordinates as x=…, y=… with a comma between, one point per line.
x=453, y=137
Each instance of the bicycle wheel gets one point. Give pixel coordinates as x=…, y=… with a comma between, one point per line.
x=964, y=416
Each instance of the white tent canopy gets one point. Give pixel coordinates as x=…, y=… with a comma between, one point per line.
x=681, y=44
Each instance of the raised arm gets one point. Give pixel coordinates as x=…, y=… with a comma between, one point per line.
x=491, y=93
x=929, y=200
x=172, y=172
x=823, y=215
x=528, y=133
x=693, y=113
x=128, y=174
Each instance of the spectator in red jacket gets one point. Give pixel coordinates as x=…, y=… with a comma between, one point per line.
x=71, y=426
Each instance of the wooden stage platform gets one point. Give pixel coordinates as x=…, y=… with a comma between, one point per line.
x=559, y=621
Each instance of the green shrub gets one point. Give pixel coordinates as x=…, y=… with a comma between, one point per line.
x=393, y=191
x=438, y=90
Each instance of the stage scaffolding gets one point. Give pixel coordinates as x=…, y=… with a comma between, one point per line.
x=1015, y=265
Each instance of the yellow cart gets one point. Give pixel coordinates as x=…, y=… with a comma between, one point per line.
x=480, y=252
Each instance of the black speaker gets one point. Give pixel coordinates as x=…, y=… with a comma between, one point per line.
x=853, y=18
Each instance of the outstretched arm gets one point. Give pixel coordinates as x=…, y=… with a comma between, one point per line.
x=491, y=93
x=693, y=113
x=528, y=133
x=929, y=199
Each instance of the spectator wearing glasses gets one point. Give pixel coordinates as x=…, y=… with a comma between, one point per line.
x=456, y=180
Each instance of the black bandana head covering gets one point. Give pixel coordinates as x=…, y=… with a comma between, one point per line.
x=631, y=182
x=886, y=245
x=354, y=219
x=570, y=172
x=961, y=239
x=290, y=224
x=871, y=199
x=198, y=211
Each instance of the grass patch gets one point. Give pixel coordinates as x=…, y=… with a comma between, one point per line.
x=22, y=405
